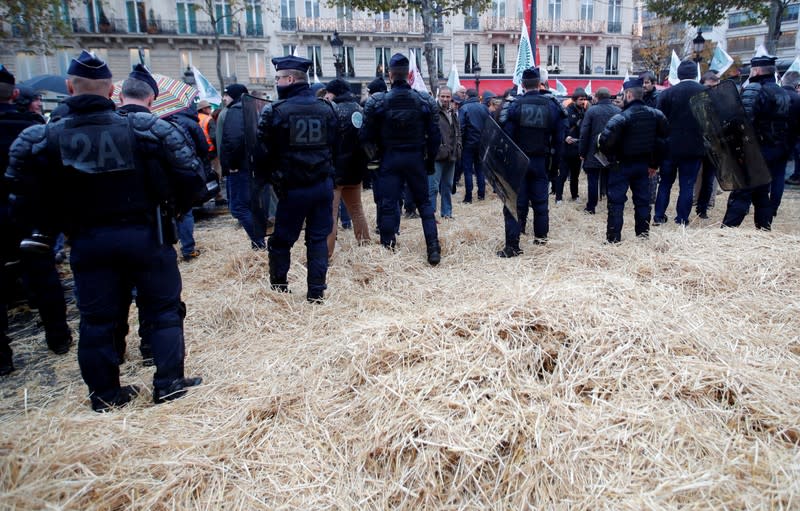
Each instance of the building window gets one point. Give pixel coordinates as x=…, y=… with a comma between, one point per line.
x=64, y=58
x=94, y=11
x=790, y=13
x=612, y=60
x=471, y=18
x=383, y=22
x=417, y=56
x=224, y=17
x=553, y=56
x=255, y=22
x=587, y=10
x=438, y=19
x=382, y=57
x=614, y=16
x=312, y=9
x=786, y=39
x=742, y=19
x=61, y=11
x=229, y=70
x=585, y=60
x=186, y=59
x=498, y=10
x=741, y=44
x=554, y=9
x=439, y=62
x=256, y=64
x=349, y=61
x=187, y=17
x=498, y=58
x=137, y=54
x=414, y=21
x=470, y=57
x=137, y=16
x=28, y=65
x=288, y=15
x=315, y=56
x=289, y=49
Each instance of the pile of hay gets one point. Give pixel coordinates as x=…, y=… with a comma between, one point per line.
x=660, y=373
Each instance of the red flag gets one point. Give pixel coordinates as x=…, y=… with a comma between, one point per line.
x=526, y=11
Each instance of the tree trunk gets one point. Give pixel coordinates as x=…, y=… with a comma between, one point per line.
x=219, y=62
x=776, y=8
x=427, y=35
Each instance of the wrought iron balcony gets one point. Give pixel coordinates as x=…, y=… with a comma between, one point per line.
x=157, y=27
x=344, y=25
x=495, y=24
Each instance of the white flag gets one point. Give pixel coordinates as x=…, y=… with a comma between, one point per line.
x=588, y=88
x=524, y=57
x=761, y=51
x=453, y=82
x=720, y=61
x=673, y=68
x=561, y=89
x=204, y=87
x=795, y=65
x=627, y=77
x=414, y=76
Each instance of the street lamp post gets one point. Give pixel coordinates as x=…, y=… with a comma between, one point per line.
x=476, y=69
x=699, y=44
x=338, y=53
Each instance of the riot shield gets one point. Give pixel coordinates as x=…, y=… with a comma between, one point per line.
x=505, y=163
x=254, y=152
x=731, y=141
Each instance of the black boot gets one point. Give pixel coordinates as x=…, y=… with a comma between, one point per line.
x=122, y=398
x=434, y=253
x=276, y=282
x=509, y=251
x=176, y=390
x=6, y=357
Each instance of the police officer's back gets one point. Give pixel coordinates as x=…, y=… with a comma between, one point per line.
x=535, y=122
x=635, y=138
x=116, y=172
x=298, y=133
x=403, y=125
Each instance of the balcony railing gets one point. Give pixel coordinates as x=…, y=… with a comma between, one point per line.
x=614, y=27
x=157, y=27
x=552, y=26
x=344, y=25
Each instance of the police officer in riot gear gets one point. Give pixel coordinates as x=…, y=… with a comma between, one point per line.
x=37, y=269
x=536, y=124
x=298, y=133
x=403, y=125
x=117, y=173
x=636, y=139
x=774, y=116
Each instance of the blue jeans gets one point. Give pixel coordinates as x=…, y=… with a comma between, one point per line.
x=534, y=193
x=635, y=176
x=777, y=168
x=240, y=204
x=441, y=182
x=686, y=172
x=593, y=189
x=472, y=165
x=313, y=205
x=186, y=233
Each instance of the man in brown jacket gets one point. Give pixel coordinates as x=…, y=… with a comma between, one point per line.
x=441, y=181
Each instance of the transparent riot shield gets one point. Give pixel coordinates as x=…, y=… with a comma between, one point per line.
x=731, y=141
x=254, y=152
x=504, y=162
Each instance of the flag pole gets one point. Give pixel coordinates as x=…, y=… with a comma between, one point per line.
x=533, y=28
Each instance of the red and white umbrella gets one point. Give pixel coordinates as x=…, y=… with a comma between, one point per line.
x=173, y=95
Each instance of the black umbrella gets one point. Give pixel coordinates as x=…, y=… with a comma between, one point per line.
x=54, y=83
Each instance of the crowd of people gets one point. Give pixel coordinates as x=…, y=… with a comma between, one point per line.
x=120, y=183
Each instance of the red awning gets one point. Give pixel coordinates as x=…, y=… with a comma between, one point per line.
x=500, y=85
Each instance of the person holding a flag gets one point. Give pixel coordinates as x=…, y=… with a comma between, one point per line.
x=536, y=124
x=403, y=125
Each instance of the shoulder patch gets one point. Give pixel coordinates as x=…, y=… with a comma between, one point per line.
x=357, y=119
